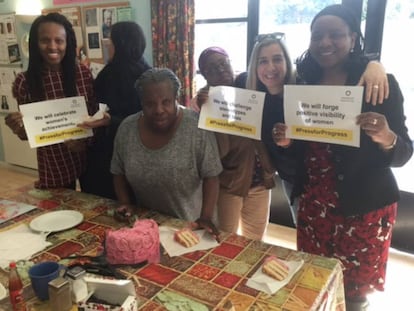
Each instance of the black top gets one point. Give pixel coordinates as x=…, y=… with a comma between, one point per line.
x=117, y=91
x=364, y=179
x=273, y=113
x=115, y=88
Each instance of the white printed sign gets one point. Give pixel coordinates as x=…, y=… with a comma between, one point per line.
x=233, y=111
x=323, y=113
x=54, y=121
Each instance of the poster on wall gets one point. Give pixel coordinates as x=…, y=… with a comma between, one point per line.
x=7, y=76
x=9, y=48
x=98, y=21
x=124, y=14
x=93, y=43
x=8, y=102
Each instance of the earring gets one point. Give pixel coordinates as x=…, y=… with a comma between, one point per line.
x=351, y=50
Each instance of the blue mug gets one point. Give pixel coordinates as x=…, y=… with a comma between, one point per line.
x=40, y=276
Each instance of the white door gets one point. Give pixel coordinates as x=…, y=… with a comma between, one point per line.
x=16, y=151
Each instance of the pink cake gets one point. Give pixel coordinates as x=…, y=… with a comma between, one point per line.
x=134, y=245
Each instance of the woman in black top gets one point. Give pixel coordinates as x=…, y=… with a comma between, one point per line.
x=347, y=195
x=114, y=86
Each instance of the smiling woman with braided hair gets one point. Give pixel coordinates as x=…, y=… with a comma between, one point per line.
x=53, y=73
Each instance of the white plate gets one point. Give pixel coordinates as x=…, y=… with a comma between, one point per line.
x=56, y=221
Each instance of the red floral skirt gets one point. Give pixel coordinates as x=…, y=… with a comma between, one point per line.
x=360, y=242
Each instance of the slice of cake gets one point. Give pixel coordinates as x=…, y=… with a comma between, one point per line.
x=186, y=237
x=275, y=268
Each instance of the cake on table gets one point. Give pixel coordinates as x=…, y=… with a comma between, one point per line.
x=275, y=268
x=186, y=237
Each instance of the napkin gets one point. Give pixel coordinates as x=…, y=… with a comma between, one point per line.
x=173, y=248
x=98, y=115
x=269, y=285
x=20, y=243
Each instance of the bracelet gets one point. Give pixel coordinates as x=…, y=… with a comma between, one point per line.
x=394, y=142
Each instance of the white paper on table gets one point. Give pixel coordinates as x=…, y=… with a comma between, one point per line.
x=54, y=121
x=20, y=243
x=269, y=285
x=174, y=248
x=232, y=110
x=323, y=113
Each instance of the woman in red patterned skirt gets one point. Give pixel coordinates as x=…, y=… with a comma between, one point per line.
x=347, y=195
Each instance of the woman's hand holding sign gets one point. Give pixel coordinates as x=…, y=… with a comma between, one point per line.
x=376, y=126
x=279, y=135
x=14, y=121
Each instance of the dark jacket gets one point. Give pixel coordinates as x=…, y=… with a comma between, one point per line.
x=272, y=114
x=364, y=178
x=118, y=94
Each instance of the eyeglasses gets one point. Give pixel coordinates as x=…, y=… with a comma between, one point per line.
x=271, y=36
